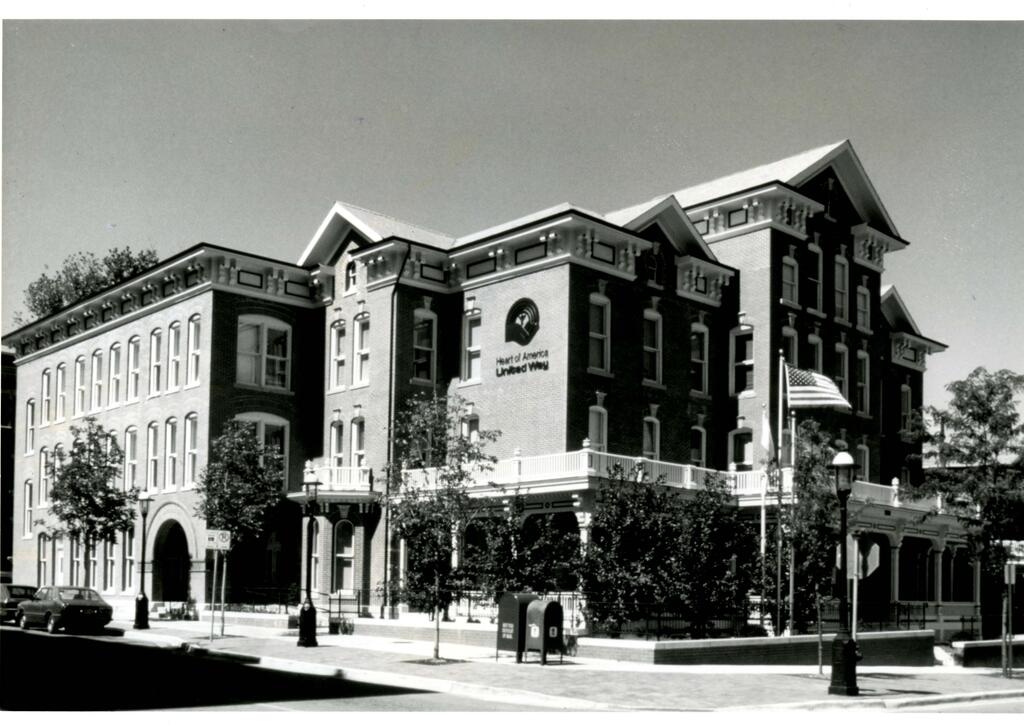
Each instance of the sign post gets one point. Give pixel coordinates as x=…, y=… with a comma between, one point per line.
x=1014, y=556
x=217, y=541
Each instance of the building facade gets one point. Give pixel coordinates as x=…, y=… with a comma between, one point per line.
x=648, y=335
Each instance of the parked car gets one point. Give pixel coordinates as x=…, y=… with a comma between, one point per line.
x=73, y=608
x=11, y=595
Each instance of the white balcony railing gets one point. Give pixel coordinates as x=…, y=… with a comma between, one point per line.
x=342, y=478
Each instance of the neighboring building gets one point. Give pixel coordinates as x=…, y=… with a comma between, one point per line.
x=587, y=339
x=9, y=378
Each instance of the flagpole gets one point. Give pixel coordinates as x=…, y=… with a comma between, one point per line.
x=764, y=515
x=778, y=511
x=792, y=509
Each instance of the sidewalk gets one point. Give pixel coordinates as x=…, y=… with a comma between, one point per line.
x=579, y=684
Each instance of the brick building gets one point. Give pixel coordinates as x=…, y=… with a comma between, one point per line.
x=648, y=334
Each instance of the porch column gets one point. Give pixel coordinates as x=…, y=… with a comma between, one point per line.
x=976, y=566
x=939, y=548
x=894, y=571
x=583, y=519
x=455, y=549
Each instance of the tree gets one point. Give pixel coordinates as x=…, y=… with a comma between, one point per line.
x=720, y=559
x=431, y=508
x=82, y=275
x=241, y=484
x=979, y=446
x=634, y=555
x=84, y=499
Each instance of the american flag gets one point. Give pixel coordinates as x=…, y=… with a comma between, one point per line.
x=807, y=389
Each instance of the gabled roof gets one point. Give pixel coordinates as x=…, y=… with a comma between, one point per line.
x=370, y=224
x=898, y=316
x=523, y=221
x=793, y=171
x=672, y=218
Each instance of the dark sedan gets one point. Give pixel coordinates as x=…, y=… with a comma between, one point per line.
x=11, y=595
x=73, y=608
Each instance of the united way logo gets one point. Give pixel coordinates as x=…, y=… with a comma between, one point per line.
x=522, y=322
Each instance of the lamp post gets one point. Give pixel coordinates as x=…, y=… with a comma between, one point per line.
x=844, y=647
x=307, y=615
x=142, y=601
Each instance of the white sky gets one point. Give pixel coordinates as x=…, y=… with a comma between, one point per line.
x=165, y=134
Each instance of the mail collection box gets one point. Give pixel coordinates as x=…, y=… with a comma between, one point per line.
x=512, y=623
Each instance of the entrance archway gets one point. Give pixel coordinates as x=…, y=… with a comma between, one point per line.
x=171, y=564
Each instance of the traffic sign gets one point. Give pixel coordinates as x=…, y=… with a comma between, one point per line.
x=218, y=540
x=868, y=553
x=1014, y=551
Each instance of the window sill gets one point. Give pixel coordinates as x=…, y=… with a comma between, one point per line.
x=175, y=389
x=264, y=389
x=699, y=395
x=129, y=401
x=469, y=383
x=864, y=330
x=153, y=395
x=357, y=386
x=746, y=394
x=27, y=537
x=26, y=454
x=816, y=313
x=338, y=389
x=113, y=406
x=599, y=371
x=789, y=303
x=865, y=416
x=193, y=384
x=421, y=382
x=654, y=384
x=841, y=321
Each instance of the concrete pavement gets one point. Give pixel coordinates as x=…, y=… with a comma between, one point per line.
x=578, y=684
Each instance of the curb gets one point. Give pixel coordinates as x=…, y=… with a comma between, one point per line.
x=884, y=704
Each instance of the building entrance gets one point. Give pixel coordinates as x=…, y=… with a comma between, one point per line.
x=171, y=564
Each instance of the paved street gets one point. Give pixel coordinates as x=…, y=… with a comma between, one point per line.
x=63, y=672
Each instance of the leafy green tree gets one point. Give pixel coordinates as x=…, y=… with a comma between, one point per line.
x=430, y=504
x=978, y=446
x=82, y=275
x=720, y=561
x=84, y=498
x=241, y=485
x=634, y=555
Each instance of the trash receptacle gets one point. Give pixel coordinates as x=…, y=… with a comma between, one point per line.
x=512, y=623
x=544, y=629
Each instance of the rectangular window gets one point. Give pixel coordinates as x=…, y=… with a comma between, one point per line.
x=79, y=386
x=62, y=393
x=97, y=381
x=191, y=449
x=171, y=453
x=863, y=308
x=344, y=554
x=423, y=342
x=133, y=369
x=156, y=365
x=337, y=445
x=361, y=373
x=652, y=347
x=44, y=546
x=338, y=344
x=789, y=280
x=743, y=362
x=816, y=357
x=152, y=456
x=358, y=443
x=131, y=459
x=906, y=408
x=598, y=428
x=30, y=426
x=471, y=356
x=842, y=286
x=109, y=565
x=114, y=390
x=263, y=354
x=193, y=349
x=652, y=436
x=863, y=383
x=743, y=450
x=44, y=419
x=789, y=346
x=173, y=356
x=127, y=559
x=842, y=370
x=27, y=527
x=698, y=359
x=814, y=278
x=863, y=471
x=599, y=337
x=471, y=428
x=76, y=561
x=697, y=438
x=44, y=477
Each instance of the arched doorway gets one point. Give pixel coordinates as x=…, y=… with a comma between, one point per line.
x=171, y=564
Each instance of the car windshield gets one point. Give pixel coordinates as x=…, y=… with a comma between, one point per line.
x=66, y=595
x=25, y=592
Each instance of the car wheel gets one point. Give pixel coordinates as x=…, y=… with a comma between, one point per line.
x=21, y=620
x=51, y=624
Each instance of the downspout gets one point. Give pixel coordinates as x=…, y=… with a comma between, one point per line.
x=391, y=446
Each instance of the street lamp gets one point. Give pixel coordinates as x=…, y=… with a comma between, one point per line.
x=142, y=601
x=307, y=615
x=844, y=647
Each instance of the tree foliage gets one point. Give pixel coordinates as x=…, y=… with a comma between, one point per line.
x=978, y=444
x=429, y=500
x=82, y=275
x=241, y=484
x=84, y=498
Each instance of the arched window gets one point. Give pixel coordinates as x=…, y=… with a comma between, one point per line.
x=361, y=352
x=814, y=275
x=599, y=356
x=789, y=346
x=272, y=432
x=133, y=368
x=152, y=456
x=814, y=343
x=193, y=349
x=350, y=276
x=114, y=371
x=44, y=419
x=314, y=569
x=264, y=352
x=863, y=402
x=741, y=449
x=173, y=355
x=96, y=401
x=790, y=280
x=156, y=363
x=27, y=491
x=698, y=446
x=471, y=346
x=344, y=557
x=863, y=306
x=191, y=449
x=597, y=428
x=424, y=345
x=698, y=358
x=841, y=369
x=127, y=559
x=741, y=353
x=652, y=346
x=79, y=400
x=62, y=392
x=358, y=433
x=842, y=287
x=906, y=408
x=44, y=476
x=131, y=458
x=337, y=444
x=30, y=425
x=652, y=262
x=337, y=348
x=171, y=453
